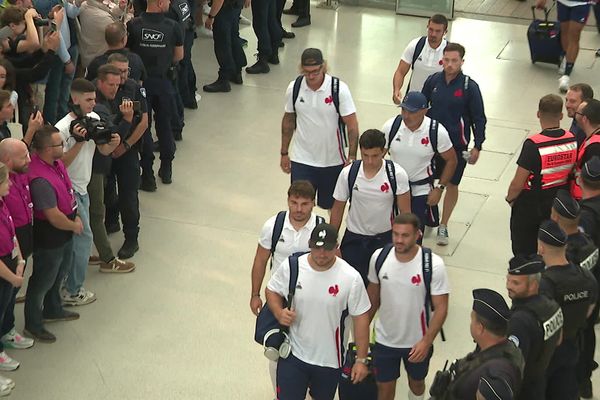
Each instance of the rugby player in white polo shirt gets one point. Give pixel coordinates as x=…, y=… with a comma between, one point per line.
x=316, y=104
x=413, y=147
x=398, y=294
x=423, y=55
x=327, y=291
x=291, y=234
x=377, y=191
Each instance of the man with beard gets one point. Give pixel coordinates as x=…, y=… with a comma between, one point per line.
x=577, y=94
x=399, y=289
x=283, y=235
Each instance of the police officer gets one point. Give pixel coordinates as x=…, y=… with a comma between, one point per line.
x=494, y=388
x=457, y=104
x=268, y=32
x=158, y=40
x=588, y=119
x=224, y=21
x=125, y=167
x=543, y=167
x=535, y=323
x=575, y=290
x=494, y=355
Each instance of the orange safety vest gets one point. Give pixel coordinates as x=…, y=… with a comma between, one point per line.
x=558, y=156
x=575, y=188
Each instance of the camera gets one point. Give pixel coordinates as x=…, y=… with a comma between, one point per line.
x=97, y=130
x=41, y=22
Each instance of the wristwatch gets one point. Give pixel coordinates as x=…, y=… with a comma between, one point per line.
x=362, y=360
x=126, y=145
x=441, y=187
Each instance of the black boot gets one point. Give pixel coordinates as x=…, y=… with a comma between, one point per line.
x=165, y=173
x=291, y=11
x=148, y=183
x=236, y=78
x=220, y=85
x=129, y=248
x=274, y=58
x=288, y=35
x=260, y=67
x=300, y=22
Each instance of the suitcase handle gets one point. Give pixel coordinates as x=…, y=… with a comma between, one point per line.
x=546, y=11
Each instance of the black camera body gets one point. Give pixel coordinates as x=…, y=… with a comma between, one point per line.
x=97, y=130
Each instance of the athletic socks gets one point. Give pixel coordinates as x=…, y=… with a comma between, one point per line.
x=412, y=396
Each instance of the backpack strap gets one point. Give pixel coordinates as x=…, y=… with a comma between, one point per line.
x=319, y=220
x=390, y=170
x=352, y=177
x=427, y=273
x=433, y=135
x=293, y=278
x=418, y=49
x=276, y=235
x=296, y=90
x=394, y=129
x=335, y=96
x=385, y=251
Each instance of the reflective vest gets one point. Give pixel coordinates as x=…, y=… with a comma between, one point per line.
x=558, y=156
x=575, y=189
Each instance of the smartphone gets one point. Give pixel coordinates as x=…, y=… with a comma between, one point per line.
x=34, y=111
x=137, y=107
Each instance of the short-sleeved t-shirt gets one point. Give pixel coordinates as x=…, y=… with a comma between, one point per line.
x=428, y=62
x=371, y=210
x=320, y=300
x=401, y=318
x=413, y=151
x=80, y=170
x=317, y=140
x=291, y=241
x=43, y=197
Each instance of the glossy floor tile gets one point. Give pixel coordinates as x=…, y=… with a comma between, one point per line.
x=180, y=327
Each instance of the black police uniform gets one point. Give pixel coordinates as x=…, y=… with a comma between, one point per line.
x=124, y=173
x=137, y=70
x=532, y=206
x=268, y=32
x=228, y=48
x=181, y=11
x=154, y=38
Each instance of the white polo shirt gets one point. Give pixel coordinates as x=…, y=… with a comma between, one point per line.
x=291, y=241
x=320, y=301
x=429, y=62
x=401, y=318
x=317, y=140
x=371, y=211
x=413, y=151
x=574, y=3
x=80, y=170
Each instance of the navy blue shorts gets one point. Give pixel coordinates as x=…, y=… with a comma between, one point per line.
x=460, y=166
x=322, y=178
x=429, y=216
x=357, y=250
x=295, y=377
x=577, y=13
x=387, y=361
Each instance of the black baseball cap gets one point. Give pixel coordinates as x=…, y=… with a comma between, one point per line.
x=312, y=57
x=323, y=236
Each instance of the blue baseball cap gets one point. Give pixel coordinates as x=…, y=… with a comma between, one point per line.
x=414, y=101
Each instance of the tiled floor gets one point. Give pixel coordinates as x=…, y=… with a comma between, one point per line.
x=180, y=327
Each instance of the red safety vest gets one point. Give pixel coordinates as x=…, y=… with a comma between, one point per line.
x=558, y=156
x=575, y=188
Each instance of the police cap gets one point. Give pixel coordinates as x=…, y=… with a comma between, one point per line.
x=490, y=305
x=552, y=234
x=565, y=205
x=495, y=388
x=526, y=265
x=591, y=170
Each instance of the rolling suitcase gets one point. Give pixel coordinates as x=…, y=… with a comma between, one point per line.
x=544, y=39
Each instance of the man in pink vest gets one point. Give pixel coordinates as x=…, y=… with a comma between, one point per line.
x=54, y=222
x=543, y=167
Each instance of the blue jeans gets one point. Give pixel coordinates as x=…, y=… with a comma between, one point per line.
x=82, y=247
x=58, y=89
x=43, y=291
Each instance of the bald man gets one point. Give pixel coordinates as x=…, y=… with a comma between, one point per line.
x=15, y=155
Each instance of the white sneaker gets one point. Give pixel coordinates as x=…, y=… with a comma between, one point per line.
x=6, y=386
x=15, y=340
x=563, y=66
x=206, y=9
x=82, y=298
x=563, y=83
x=442, y=235
x=7, y=363
x=245, y=21
x=203, y=32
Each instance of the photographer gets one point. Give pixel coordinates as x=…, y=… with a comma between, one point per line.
x=80, y=129
x=121, y=116
x=24, y=37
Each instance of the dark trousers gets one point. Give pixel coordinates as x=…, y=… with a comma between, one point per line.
x=560, y=374
x=597, y=15
x=7, y=292
x=525, y=220
x=125, y=175
x=279, y=6
x=228, y=48
x=266, y=26
x=160, y=97
x=187, y=75
x=587, y=343
x=177, y=122
x=357, y=250
x=50, y=267
x=303, y=8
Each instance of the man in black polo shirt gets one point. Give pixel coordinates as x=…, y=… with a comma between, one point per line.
x=158, y=40
x=116, y=39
